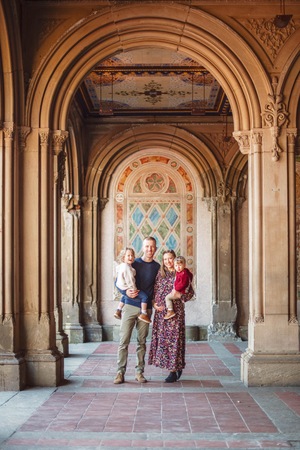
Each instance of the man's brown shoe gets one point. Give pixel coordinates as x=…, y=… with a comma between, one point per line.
x=140, y=377
x=119, y=378
x=144, y=318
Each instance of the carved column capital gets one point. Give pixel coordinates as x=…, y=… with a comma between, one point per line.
x=8, y=130
x=44, y=136
x=256, y=137
x=102, y=203
x=291, y=136
x=59, y=137
x=23, y=134
x=243, y=140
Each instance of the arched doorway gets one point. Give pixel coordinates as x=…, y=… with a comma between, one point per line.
x=48, y=112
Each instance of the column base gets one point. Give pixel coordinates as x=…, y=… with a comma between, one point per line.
x=75, y=333
x=222, y=332
x=270, y=369
x=44, y=368
x=93, y=333
x=62, y=343
x=12, y=372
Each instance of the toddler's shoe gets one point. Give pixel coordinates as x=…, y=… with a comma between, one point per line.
x=118, y=314
x=169, y=315
x=144, y=318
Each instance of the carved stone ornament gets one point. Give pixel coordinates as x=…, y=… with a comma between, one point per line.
x=243, y=140
x=274, y=116
x=223, y=191
x=61, y=170
x=23, y=134
x=293, y=320
x=258, y=318
x=71, y=203
x=8, y=130
x=272, y=37
x=59, y=138
x=44, y=137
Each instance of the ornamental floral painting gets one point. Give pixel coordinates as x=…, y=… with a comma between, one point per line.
x=155, y=197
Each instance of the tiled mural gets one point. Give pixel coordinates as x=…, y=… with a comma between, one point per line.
x=155, y=197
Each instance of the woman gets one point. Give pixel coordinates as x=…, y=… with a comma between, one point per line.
x=167, y=348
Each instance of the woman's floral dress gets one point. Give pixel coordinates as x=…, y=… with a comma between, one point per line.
x=167, y=348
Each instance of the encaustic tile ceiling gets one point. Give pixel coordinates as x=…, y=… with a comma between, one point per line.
x=151, y=81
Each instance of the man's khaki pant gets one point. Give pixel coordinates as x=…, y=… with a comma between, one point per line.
x=128, y=322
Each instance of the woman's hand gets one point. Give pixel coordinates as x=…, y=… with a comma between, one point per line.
x=158, y=308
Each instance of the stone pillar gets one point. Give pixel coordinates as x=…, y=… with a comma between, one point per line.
x=71, y=268
x=59, y=155
x=12, y=363
x=272, y=356
x=224, y=309
x=90, y=242
x=44, y=363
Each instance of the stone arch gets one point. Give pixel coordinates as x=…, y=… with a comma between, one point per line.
x=169, y=138
x=13, y=107
x=181, y=28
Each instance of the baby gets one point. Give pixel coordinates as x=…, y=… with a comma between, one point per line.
x=126, y=280
x=183, y=278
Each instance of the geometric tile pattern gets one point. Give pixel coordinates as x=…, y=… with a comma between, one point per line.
x=155, y=196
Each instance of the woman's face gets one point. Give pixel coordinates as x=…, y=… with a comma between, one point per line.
x=168, y=261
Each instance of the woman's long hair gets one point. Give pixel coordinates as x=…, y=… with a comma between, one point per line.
x=162, y=267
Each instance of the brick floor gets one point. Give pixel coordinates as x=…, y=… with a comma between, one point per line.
x=208, y=407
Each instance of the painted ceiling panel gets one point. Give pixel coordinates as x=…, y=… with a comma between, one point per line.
x=151, y=80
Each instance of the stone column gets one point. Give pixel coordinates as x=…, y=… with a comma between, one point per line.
x=59, y=137
x=90, y=242
x=12, y=363
x=71, y=268
x=44, y=363
x=224, y=309
x=272, y=356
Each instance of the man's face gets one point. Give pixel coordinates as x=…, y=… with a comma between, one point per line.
x=149, y=248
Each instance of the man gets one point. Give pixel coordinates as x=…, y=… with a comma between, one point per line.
x=146, y=271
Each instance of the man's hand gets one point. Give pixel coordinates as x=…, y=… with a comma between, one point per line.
x=132, y=293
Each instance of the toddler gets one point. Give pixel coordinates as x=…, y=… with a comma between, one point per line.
x=126, y=280
x=183, y=278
